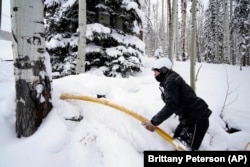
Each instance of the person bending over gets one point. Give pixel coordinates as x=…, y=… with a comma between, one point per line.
x=180, y=99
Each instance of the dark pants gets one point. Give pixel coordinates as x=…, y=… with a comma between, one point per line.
x=192, y=133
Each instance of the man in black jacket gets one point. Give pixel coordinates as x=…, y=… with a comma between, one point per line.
x=180, y=98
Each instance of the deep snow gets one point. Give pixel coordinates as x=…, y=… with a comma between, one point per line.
x=106, y=137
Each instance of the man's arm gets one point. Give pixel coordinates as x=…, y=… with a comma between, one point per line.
x=171, y=93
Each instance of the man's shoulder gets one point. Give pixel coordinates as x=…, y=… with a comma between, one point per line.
x=174, y=76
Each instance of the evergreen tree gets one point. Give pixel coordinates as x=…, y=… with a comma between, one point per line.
x=113, y=31
x=241, y=27
x=113, y=41
x=61, y=23
x=213, y=32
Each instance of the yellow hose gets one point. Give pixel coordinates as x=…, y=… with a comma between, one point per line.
x=140, y=118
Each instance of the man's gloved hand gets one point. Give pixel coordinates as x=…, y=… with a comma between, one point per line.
x=148, y=125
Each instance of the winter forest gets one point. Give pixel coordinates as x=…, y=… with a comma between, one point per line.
x=218, y=33
x=56, y=38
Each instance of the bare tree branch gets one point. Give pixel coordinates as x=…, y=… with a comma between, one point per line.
x=228, y=93
x=196, y=76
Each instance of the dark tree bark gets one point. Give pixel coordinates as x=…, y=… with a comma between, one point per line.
x=31, y=65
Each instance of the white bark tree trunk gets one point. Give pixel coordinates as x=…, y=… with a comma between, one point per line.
x=184, y=34
x=217, y=33
x=163, y=28
x=80, y=64
x=172, y=31
x=146, y=37
x=227, y=54
x=155, y=13
x=193, y=45
x=176, y=33
x=166, y=26
x=232, y=55
x=31, y=65
x=156, y=27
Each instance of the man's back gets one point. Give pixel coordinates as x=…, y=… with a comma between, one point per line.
x=190, y=106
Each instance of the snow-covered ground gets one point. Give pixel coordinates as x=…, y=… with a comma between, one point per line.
x=106, y=137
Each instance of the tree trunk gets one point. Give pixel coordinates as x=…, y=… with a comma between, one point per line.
x=176, y=33
x=198, y=57
x=80, y=64
x=184, y=34
x=169, y=12
x=171, y=31
x=163, y=29
x=231, y=46
x=217, y=33
x=31, y=65
x=166, y=28
x=147, y=38
x=193, y=46
x=170, y=22
x=156, y=23
x=227, y=54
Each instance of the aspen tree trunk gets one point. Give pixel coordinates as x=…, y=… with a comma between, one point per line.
x=192, y=46
x=232, y=55
x=184, y=24
x=163, y=29
x=176, y=42
x=235, y=48
x=169, y=11
x=166, y=26
x=31, y=66
x=226, y=33
x=170, y=37
x=155, y=16
x=155, y=12
x=80, y=64
x=197, y=46
x=171, y=31
x=217, y=33
x=146, y=37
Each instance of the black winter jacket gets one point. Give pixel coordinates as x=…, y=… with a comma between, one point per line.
x=180, y=99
